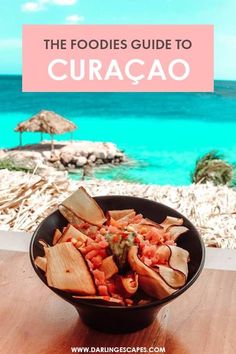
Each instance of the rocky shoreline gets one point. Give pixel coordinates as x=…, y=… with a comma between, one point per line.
x=66, y=155
x=26, y=199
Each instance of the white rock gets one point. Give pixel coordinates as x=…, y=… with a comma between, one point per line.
x=66, y=157
x=101, y=154
x=92, y=158
x=82, y=153
x=81, y=161
x=111, y=154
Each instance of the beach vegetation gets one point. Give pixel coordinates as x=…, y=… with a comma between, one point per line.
x=212, y=167
x=15, y=165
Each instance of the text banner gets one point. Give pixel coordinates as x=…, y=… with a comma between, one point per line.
x=128, y=58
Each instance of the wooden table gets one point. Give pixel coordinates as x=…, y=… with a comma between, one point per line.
x=34, y=320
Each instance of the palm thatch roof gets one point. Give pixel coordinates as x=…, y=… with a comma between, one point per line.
x=46, y=122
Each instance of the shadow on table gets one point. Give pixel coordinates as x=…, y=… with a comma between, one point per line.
x=156, y=336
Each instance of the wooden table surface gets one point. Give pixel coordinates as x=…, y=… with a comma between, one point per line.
x=34, y=320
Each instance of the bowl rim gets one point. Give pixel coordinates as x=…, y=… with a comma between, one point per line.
x=153, y=303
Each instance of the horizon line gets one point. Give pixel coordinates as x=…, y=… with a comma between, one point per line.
x=215, y=79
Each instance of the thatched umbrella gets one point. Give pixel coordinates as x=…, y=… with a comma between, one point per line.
x=46, y=122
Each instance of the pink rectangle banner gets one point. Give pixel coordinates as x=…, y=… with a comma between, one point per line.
x=118, y=58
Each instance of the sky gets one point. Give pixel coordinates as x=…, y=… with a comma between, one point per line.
x=220, y=13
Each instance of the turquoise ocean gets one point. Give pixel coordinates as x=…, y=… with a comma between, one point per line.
x=163, y=133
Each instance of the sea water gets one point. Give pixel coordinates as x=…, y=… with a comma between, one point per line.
x=162, y=133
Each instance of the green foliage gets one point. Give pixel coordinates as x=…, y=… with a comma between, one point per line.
x=213, y=168
x=14, y=165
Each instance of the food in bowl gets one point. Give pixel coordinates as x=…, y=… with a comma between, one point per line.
x=120, y=258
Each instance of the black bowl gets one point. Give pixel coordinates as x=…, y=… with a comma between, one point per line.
x=116, y=319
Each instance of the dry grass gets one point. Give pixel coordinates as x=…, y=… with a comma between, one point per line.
x=25, y=199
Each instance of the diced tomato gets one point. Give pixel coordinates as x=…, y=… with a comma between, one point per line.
x=124, y=234
x=149, y=251
x=98, y=238
x=137, y=240
x=89, y=240
x=97, y=261
x=116, y=238
x=92, y=246
x=129, y=302
x=99, y=277
x=142, y=245
x=84, y=226
x=103, y=244
x=111, y=287
x=102, y=289
x=113, y=229
x=102, y=253
x=91, y=254
x=92, y=235
x=153, y=236
x=83, y=250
